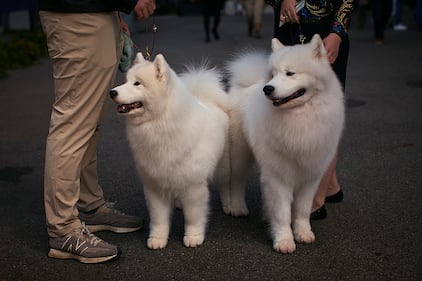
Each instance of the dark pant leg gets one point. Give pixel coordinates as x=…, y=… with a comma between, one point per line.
x=381, y=12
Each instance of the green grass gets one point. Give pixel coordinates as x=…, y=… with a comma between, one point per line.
x=20, y=49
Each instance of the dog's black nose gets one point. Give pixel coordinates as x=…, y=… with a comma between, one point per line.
x=113, y=94
x=268, y=90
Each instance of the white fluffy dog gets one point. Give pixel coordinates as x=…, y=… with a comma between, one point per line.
x=290, y=106
x=177, y=127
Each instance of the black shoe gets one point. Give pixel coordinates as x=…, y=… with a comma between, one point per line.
x=335, y=198
x=319, y=214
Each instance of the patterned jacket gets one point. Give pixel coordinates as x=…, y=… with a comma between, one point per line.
x=338, y=12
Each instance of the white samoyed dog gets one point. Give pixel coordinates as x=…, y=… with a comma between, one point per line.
x=290, y=107
x=177, y=128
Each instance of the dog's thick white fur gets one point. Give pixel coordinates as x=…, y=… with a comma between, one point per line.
x=292, y=111
x=177, y=128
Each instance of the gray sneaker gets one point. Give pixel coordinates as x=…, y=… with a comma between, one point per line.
x=108, y=218
x=83, y=246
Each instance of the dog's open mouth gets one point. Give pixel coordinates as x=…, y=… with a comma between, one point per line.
x=295, y=95
x=125, y=108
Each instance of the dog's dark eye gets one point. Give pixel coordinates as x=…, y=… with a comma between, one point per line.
x=137, y=83
x=290, y=73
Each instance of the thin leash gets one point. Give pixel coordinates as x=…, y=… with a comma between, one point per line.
x=302, y=37
x=148, y=51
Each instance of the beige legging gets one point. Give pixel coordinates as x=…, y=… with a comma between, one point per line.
x=85, y=49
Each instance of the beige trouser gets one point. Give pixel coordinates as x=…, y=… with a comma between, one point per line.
x=85, y=49
x=254, y=10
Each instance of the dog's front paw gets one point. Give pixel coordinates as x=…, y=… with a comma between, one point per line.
x=286, y=246
x=305, y=237
x=302, y=232
x=156, y=243
x=193, y=240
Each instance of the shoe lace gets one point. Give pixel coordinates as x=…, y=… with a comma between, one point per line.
x=84, y=236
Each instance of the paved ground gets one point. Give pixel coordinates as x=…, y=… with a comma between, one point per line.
x=375, y=234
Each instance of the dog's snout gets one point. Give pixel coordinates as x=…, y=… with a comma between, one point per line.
x=268, y=90
x=113, y=94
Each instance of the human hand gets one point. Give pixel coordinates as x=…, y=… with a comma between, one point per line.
x=144, y=8
x=288, y=11
x=332, y=45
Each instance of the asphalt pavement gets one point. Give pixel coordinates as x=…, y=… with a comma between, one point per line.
x=374, y=234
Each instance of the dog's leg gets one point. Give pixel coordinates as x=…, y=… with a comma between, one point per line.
x=301, y=211
x=159, y=207
x=231, y=187
x=238, y=206
x=277, y=204
x=238, y=166
x=222, y=179
x=241, y=166
x=195, y=202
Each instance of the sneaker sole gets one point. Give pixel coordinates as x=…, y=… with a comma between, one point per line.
x=115, y=229
x=57, y=254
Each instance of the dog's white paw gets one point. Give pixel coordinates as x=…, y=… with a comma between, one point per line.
x=305, y=237
x=156, y=243
x=192, y=241
x=286, y=246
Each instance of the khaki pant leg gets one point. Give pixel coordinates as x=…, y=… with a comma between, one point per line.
x=248, y=5
x=258, y=12
x=85, y=49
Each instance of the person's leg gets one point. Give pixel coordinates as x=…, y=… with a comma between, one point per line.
x=257, y=17
x=334, y=187
x=378, y=19
x=387, y=8
x=85, y=59
x=248, y=6
x=398, y=11
x=217, y=19
x=340, y=65
x=319, y=198
x=417, y=15
x=361, y=10
x=91, y=196
x=206, y=22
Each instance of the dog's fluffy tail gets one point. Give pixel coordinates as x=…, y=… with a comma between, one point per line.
x=247, y=69
x=205, y=82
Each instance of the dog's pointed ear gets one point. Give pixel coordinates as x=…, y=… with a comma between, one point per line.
x=139, y=58
x=276, y=44
x=161, y=66
x=318, y=48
